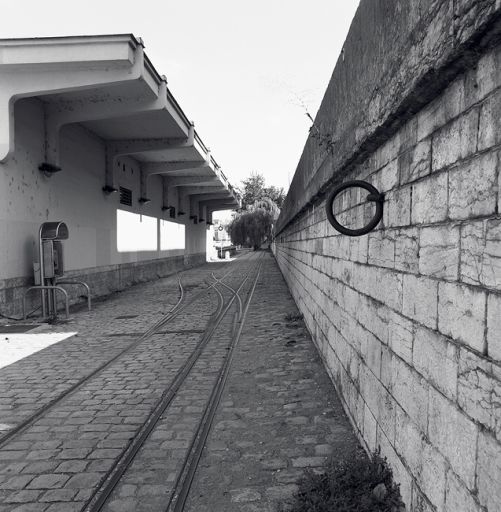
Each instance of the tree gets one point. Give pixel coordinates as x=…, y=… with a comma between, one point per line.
x=254, y=189
x=266, y=204
x=260, y=210
x=277, y=195
x=251, y=228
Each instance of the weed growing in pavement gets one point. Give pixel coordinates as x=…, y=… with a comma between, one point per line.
x=352, y=485
x=293, y=317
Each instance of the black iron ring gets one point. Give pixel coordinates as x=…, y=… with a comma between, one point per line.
x=374, y=196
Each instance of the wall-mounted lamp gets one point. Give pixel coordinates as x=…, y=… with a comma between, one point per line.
x=48, y=169
x=172, y=211
x=144, y=200
x=194, y=218
x=107, y=189
x=180, y=213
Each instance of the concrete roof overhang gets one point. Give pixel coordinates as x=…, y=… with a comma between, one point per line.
x=108, y=85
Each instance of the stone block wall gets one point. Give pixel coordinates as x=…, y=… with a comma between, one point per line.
x=408, y=318
x=102, y=281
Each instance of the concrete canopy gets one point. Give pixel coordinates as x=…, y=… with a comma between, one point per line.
x=108, y=85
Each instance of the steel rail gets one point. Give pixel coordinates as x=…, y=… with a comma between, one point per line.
x=185, y=478
x=173, y=313
x=100, y=496
x=40, y=412
x=219, y=281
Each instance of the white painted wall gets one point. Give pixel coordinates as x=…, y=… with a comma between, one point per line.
x=74, y=195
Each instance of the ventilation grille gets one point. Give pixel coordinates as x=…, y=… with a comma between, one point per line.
x=126, y=196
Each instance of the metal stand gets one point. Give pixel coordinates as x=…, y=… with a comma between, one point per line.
x=81, y=283
x=51, y=296
x=49, y=270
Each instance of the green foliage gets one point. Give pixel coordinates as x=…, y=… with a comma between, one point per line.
x=353, y=485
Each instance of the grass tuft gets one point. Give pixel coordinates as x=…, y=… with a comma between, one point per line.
x=353, y=485
x=293, y=317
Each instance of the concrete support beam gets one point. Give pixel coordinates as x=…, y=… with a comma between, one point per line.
x=188, y=195
x=59, y=114
x=211, y=183
x=201, y=191
x=56, y=79
x=116, y=148
x=209, y=197
x=200, y=208
x=183, y=181
x=134, y=146
x=143, y=189
x=217, y=204
x=202, y=212
x=165, y=194
x=170, y=167
x=222, y=206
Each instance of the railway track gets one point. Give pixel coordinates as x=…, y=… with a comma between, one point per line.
x=233, y=291
x=179, y=496
x=179, y=493
x=178, y=308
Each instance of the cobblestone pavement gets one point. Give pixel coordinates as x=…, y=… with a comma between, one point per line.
x=278, y=415
x=102, y=333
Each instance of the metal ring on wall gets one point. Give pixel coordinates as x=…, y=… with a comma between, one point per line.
x=373, y=196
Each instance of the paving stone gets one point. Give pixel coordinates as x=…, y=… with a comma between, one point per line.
x=57, y=495
x=41, y=454
x=281, y=493
x=74, y=453
x=323, y=449
x=124, y=505
x=17, y=482
x=72, y=466
x=54, y=481
x=25, y=496
x=37, y=467
x=31, y=507
x=83, y=480
x=65, y=507
x=308, y=462
x=245, y=494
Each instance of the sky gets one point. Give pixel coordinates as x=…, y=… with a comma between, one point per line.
x=245, y=71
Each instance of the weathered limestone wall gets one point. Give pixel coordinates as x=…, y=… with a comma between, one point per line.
x=75, y=196
x=408, y=318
